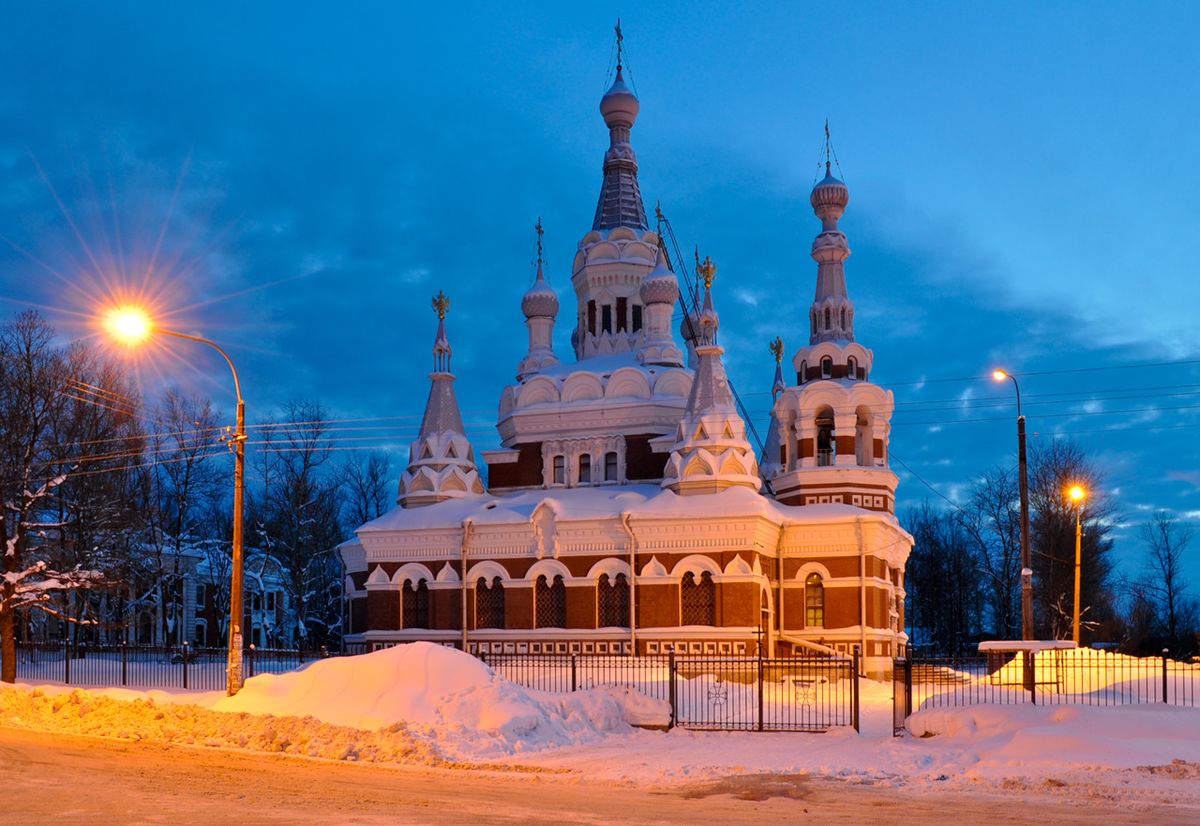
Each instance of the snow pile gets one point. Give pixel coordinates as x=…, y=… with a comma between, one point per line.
x=1090, y=670
x=993, y=740
x=146, y=718
x=453, y=700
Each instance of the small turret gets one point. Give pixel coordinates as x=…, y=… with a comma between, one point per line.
x=711, y=452
x=441, y=461
x=540, y=306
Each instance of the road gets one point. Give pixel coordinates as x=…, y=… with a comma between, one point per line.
x=52, y=778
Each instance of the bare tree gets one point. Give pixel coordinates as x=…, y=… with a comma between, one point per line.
x=365, y=482
x=992, y=519
x=33, y=374
x=1166, y=541
x=946, y=593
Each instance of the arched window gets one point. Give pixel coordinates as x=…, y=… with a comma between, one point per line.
x=698, y=600
x=591, y=317
x=828, y=319
x=610, y=466
x=560, y=470
x=826, y=367
x=414, y=605
x=551, y=598
x=612, y=597
x=585, y=469
x=814, y=601
x=489, y=603
x=852, y=368
x=637, y=317
x=803, y=376
x=843, y=325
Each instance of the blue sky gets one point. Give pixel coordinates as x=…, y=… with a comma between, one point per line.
x=1025, y=189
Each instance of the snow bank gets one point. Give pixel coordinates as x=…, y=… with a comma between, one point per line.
x=996, y=739
x=452, y=699
x=141, y=718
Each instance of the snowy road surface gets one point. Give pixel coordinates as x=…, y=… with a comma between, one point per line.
x=48, y=778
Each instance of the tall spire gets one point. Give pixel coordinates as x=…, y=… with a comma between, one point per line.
x=620, y=203
x=711, y=452
x=441, y=462
x=771, y=463
x=832, y=314
x=540, y=306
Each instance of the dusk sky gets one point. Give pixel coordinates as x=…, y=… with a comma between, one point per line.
x=297, y=180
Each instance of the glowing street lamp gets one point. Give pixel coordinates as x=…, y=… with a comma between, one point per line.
x=1077, y=494
x=131, y=326
x=1023, y=475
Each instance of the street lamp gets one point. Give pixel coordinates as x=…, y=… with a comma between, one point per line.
x=132, y=326
x=1077, y=495
x=1023, y=475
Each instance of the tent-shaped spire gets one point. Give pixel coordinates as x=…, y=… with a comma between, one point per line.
x=620, y=203
x=711, y=452
x=441, y=462
x=772, y=458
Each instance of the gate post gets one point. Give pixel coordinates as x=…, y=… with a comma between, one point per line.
x=185, y=663
x=1031, y=661
x=760, y=689
x=66, y=662
x=908, y=691
x=124, y=662
x=854, y=691
x=1164, y=675
x=671, y=684
x=251, y=674
x=574, y=681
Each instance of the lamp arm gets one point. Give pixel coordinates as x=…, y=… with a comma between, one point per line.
x=237, y=384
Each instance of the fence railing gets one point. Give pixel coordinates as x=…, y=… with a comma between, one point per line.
x=1080, y=676
x=708, y=692
x=147, y=666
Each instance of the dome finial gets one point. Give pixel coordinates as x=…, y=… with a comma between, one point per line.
x=441, y=343
x=620, y=44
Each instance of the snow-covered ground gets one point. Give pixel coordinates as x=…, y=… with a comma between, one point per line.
x=428, y=705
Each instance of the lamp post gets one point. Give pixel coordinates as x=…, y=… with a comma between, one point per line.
x=133, y=326
x=1077, y=494
x=1023, y=475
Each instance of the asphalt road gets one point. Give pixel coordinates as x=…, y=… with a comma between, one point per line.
x=58, y=779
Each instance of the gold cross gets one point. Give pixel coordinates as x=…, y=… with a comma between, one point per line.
x=441, y=304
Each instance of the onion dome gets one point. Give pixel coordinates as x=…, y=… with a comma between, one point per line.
x=660, y=285
x=540, y=301
x=619, y=106
x=829, y=197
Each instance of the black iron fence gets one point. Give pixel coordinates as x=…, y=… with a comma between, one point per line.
x=708, y=692
x=146, y=666
x=1080, y=676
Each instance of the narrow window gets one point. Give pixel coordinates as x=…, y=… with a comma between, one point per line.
x=802, y=376
x=637, y=317
x=852, y=368
x=560, y=470
x=610, y=466
x=826, y=367
x=843, y=318
x=606, y=318
x=591, y=317
x=199, y=596
x=585, y=469
x=828, y=323
x=814, y=601
x=622, y=313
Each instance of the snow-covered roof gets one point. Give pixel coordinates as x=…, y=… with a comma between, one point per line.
x=639, y=501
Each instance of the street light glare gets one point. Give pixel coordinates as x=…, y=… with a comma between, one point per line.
x=999, y=375
x=130, y=325
x=1077, y=493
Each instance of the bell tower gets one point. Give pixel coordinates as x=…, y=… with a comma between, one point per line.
x=833, y=424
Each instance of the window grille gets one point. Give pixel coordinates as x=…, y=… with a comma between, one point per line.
x=613, y=599
x=698, y=600
x=415, y=605
x=489, y=604
x=551, y=598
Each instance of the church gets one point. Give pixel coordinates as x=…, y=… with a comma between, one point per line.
x=627, y=511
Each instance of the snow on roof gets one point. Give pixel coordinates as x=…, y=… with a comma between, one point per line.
x=602, y=365
x=639, y=501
